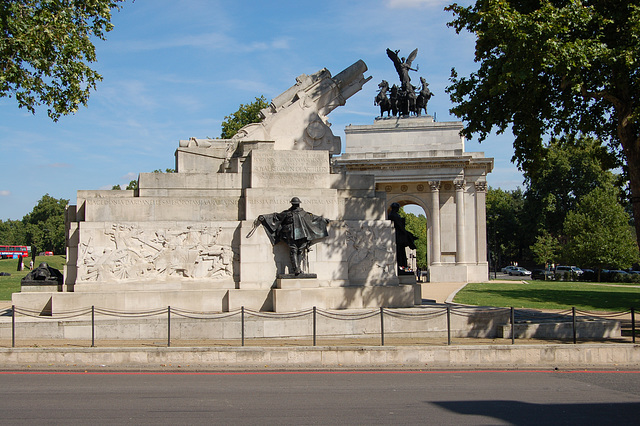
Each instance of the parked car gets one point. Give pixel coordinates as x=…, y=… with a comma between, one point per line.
x=541, y=274
x=506, y=269
x=517, y=270
x=570, y=269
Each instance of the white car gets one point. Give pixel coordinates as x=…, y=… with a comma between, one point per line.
x=516, y=270
x=569, y=269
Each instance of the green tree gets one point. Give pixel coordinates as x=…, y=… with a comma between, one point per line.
x=12, y=232
x=598, y=232
x=44, y=226
x=504, y=226
x=132, y=185
x=546, y=249
x=551, y=67
x=569, y=168
x=246, y=114
x=45, y=47
x=417, y=225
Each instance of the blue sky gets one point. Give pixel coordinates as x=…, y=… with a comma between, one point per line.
x=174, y=69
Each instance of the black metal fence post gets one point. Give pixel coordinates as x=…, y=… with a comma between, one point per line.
x=633, y=325
x=93, y=326
x=513, y=334
x=242, y=324
x=168, y=326
x=448, y=324
x=382, y=326
x=573, y=314
x=314, y=326
x=13, y=326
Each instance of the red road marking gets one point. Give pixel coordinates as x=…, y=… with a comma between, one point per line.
x=261, y=373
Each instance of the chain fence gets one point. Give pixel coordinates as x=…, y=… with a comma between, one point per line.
x=516, y=318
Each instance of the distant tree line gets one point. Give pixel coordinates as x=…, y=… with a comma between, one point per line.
x=42, y=229
x=573, y=210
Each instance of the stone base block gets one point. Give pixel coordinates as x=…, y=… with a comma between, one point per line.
x=297, y=282
x=458, y=273
x=291, y=300
x=40, y=286
x=595, y=329
x=131, y=301
x=39, y=303
x=257, y=300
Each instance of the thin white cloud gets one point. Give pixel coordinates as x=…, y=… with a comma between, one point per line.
x=129, y=177
x=414, y=4
x=210, y=41
x=5, y=193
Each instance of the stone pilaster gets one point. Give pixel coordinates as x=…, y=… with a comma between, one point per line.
x=481, y=221
x=435, y=222
x=460, y=226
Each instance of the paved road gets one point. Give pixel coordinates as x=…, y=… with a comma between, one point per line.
x=452, y=397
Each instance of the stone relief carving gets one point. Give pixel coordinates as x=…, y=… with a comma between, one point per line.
x=366, y=255
x=133, y=253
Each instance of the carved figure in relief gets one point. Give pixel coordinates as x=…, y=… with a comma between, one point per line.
x=364, y=259
x=296, y=227
x=135, y=254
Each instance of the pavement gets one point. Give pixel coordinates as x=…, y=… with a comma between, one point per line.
x=441, y=292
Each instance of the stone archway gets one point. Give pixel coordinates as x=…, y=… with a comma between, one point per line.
x=418, y=209
x=424, y=161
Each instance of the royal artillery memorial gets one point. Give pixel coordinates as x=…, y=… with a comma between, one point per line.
x=193, y=239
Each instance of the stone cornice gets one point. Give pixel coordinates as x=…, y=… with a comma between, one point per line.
x=421, y=163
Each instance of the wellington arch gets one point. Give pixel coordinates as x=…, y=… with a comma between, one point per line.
x=416, y=160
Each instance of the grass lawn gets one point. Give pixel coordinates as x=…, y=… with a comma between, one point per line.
x=11, y=284
x=550, y=295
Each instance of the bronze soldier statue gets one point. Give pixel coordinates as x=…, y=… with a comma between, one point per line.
x=296, y=227
x=404, y=238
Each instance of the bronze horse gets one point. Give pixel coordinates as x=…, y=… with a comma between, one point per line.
x=423, y=97
x=382, y=99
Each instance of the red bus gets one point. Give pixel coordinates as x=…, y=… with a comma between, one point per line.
x=13, y=252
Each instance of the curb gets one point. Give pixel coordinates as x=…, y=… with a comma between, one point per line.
x=364, y=358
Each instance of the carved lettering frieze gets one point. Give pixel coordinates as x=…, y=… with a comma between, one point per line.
x=162, y=202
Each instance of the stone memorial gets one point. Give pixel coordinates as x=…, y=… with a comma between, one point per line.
x=44, y=278
x=189, y=240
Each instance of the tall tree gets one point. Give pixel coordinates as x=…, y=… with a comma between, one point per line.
x=246, y=114
x=598, y=232
x=45, y=224
x=45, y=48
x=504, y=226
x=552, y=67
x=569, y=168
